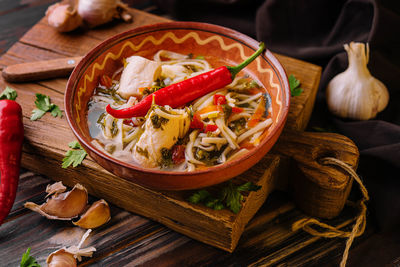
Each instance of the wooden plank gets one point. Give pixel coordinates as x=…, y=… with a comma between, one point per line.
x=48, y=138
x=20, y=53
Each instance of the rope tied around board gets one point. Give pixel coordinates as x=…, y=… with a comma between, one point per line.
x=330, y=231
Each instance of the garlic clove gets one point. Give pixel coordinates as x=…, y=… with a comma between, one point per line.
x=97, y=215
x=355, y=93
x=66, y=257
x=61, y=258
x=64, y=206
x=63, y=17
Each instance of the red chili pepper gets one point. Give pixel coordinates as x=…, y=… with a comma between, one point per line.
x=219, y=99
x=211, y=128
x=11, y=138
x=178, y=94
x=178, y=154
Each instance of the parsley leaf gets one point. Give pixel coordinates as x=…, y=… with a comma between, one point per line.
x=28, y=261
x=37, y=114
x=294, y=84
x=230, y=197
x=56, y=111
x=44, y=105
x=199, y=196
x=249, y=186
x=8, y=93
x=75, y=156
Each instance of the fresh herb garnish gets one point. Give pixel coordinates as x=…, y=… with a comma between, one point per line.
x=27, y=260
x=230, y=197
x=294, y=84
x=142, y=152
x=8, y=93
x=75, y=156
x=166, y=157
x=238, y=125
x=43, y=105
x=227, y=111
x=158, y=121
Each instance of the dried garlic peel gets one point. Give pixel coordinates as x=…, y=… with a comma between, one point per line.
x=97, y=215
x=56, y=188
x=64, y=206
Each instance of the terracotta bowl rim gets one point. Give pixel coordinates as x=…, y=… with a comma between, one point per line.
x=219, y=30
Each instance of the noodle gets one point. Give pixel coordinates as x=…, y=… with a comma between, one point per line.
x=153, y=141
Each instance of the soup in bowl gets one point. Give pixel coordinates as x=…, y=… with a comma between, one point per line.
x=153, y=105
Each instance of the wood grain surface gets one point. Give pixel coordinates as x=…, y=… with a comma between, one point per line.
x=131, y=239
x=46, y=138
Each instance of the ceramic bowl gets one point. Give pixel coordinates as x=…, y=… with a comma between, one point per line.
x=220, y=46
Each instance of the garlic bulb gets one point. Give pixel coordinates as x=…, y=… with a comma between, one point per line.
x=63, y=17
x=97, y=12
x=355, y=93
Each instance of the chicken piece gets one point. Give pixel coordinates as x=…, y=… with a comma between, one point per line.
x=138, y=73
x=162, y=129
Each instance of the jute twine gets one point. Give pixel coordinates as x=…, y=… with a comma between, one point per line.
x=331, y=232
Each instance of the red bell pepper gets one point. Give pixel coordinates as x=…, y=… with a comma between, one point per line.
x=219, y=99
x=196, y=122
x=11, y=138
x=211, y=128
x=178, y=94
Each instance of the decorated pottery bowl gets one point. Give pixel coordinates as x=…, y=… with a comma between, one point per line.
x=221, y=46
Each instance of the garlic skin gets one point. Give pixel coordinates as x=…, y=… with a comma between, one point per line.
x=355, y=93
x=97, y=12
x=63, y=206
x=63, y=17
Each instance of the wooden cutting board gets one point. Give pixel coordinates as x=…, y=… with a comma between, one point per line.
x=319, y=190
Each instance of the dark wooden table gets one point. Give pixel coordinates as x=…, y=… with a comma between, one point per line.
x=133, y=240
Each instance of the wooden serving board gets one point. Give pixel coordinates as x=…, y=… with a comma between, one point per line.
x=295, y=156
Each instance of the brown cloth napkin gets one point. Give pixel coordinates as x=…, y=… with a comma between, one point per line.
x=315, y=31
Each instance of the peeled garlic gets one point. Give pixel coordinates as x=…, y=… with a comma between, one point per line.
x=66, y=257
x=97, y=215
x=97, y=12
x=63, y=206
x=63, y=17
x=355, y=93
